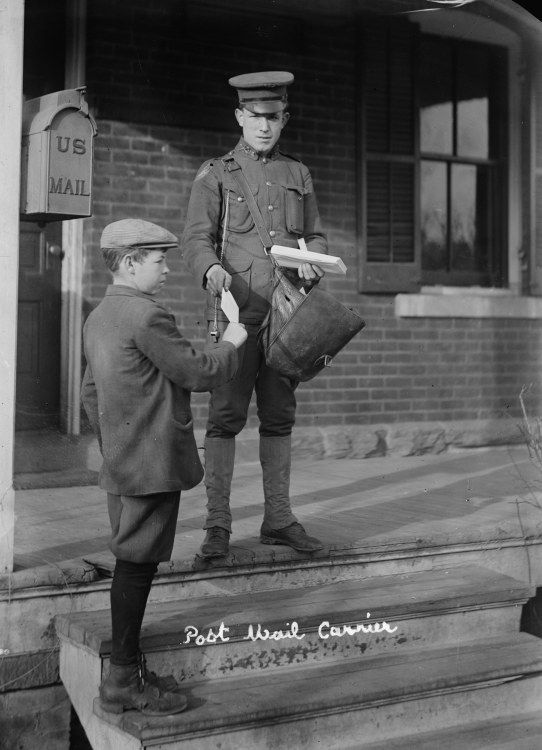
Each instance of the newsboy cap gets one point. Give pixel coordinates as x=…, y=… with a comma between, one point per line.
x=136, y=233
x=263, y=92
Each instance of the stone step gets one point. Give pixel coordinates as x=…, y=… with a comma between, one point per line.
x=342, y=705
x=251, y=566
x=520, y=732
x=214, y=637
x=30, y=599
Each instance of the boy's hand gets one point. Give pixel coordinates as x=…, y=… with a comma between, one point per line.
x=235, y=333
x=217, y=280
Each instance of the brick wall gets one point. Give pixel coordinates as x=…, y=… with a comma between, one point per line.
x=152, y=139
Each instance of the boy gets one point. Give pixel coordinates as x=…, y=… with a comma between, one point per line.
x=136, y=392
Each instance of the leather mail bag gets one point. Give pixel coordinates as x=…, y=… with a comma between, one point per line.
x=303, y=332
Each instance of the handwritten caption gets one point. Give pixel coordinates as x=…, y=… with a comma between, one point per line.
x=259, y=632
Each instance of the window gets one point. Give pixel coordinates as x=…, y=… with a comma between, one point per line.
x=460, y=163
x=433, y=164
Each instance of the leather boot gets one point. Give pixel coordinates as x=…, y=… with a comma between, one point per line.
x=219, y=461
x=132, y=687
x=276, y=459
x=293, y=536
x=216, y=543
x=280, y=526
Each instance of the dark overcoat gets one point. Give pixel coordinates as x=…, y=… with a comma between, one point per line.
x=136, y=392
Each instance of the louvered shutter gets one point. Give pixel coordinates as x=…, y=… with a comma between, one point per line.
x=534, y=168
x=388, y=182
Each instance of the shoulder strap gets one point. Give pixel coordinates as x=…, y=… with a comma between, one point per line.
x=293, y=158
x=234, y=169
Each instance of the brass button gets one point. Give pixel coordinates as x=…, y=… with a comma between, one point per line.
x=239, y=198
x=272, y=233
x=270, y=207
x=264, y=160
x=268, y=183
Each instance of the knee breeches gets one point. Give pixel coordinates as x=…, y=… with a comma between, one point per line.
x=275, y=396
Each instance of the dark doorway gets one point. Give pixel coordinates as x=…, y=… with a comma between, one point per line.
x=40, y=261
x=38, y=327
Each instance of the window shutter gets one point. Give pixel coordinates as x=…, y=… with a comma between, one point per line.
x=534, y=169
x=387, y=178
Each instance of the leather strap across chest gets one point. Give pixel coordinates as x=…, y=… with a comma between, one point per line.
x=236, y=172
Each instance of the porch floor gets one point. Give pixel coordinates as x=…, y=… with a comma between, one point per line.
x=461, y=496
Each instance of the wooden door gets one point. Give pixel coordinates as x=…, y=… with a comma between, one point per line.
x=38, y=331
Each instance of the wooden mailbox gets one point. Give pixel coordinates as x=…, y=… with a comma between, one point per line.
x=57, y=157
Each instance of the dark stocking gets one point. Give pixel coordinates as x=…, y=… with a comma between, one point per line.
x=129, y=592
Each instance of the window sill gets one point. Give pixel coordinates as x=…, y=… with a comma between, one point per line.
x=473, y=302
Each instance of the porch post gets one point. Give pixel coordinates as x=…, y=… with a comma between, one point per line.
x=11, y=87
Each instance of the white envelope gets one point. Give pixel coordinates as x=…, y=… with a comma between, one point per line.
x=291, y=257
x=229, y=306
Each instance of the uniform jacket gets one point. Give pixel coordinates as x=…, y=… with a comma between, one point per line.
x=219, y=225
x=136, y=392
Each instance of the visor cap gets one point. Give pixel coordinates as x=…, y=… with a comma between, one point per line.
x=136, y=233
x=263, y=92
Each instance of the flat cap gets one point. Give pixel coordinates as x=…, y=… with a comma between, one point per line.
x=136, y=233
x=263, y=92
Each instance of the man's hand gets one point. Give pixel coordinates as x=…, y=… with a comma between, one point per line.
x=217, y=280
x=309, y=272
x=235, y=333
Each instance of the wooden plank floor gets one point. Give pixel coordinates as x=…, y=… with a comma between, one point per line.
x=458, y=495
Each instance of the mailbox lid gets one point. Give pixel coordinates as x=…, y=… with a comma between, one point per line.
x=39, y=113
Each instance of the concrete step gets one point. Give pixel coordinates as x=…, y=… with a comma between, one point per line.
x=251, y=566
x=30, y=599
x=520, y=732
x=344, y=704
x=215, y=637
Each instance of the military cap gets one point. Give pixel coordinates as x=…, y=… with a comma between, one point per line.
x=263, y=92
x=136, y=233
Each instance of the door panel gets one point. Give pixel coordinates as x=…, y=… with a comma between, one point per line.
x=38, y=326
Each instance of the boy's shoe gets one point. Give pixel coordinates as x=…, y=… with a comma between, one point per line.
x=293, y=536
x=132, y=687
x=216, y=543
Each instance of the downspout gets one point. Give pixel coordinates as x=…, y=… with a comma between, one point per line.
x=72, y=243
